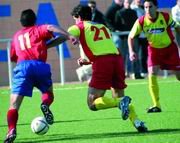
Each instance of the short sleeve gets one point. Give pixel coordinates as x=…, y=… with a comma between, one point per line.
x=74, y=30
x=44, y=32
x=136, y=29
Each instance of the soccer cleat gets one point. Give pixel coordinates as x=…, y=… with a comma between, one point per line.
x=140, y=126
x=153, y=110
x=10, y=136
x=124, y=107
x=137, y=76
x=47, y=114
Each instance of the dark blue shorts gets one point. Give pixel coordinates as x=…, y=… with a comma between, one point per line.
x=29, y=74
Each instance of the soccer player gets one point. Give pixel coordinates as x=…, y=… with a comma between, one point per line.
x=162, y=51
x=107, y=66
x=29, y=51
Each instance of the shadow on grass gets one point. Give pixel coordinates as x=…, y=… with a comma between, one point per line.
x=75, y=137
x=86, y=120
x=68, y=121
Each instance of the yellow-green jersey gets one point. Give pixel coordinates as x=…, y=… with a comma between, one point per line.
x=95, y=39
x=158, y=32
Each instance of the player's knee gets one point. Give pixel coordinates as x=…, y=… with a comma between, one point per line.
x=14, y=105
x=92, y=107
x=90, y=103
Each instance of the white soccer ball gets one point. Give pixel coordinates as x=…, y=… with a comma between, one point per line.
x=39, y=126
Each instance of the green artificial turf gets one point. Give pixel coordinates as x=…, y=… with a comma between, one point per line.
x=75, y=123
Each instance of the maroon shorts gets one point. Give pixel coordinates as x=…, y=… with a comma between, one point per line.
x=167, y=58
x=108, y=71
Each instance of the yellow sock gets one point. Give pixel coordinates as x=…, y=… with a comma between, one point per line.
x=105, y=102
x=154, y=90
x=132, y=113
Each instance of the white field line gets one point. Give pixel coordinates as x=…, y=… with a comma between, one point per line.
x=129, y=84
x=86, y=86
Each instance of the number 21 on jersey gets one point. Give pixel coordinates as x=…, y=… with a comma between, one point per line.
x=98, y=31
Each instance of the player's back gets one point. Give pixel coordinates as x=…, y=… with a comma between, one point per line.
x=98, y=38
x=29, y=43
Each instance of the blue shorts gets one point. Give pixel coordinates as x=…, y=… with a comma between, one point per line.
x=29, y=74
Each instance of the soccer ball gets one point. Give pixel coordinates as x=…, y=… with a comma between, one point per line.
x=39, y=126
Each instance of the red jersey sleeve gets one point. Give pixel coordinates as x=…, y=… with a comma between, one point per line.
x=45, y=33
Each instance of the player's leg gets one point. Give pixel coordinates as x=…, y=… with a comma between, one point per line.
x=128, y=111
x=123, y=102
x=22, y=86
x=97, y=101
x=125, y=105
x=12, y=117
x=118, y=85
x=44, y=83
x=137, y=123
x=154, y=89
x=47, y=99
x=100, y=82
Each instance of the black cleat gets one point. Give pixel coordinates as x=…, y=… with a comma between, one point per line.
x=47, y=114
x=10, y=136
x=153, y=110
x=124, y=107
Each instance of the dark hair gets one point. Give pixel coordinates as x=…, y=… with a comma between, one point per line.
x=28, y=18
x=83, y=11
x=153, y=1
x=92, y=2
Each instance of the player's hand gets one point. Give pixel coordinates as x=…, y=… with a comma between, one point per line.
x=82, y=62
x=74, y=40
x=132, y=56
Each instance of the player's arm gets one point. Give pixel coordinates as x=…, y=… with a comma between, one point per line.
x=130, y=45
x=59, y=30
x=13, y=53
x=176, y=26
x=64, y=36
x=136, y=30
x=56, y=41
x=75, y=32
